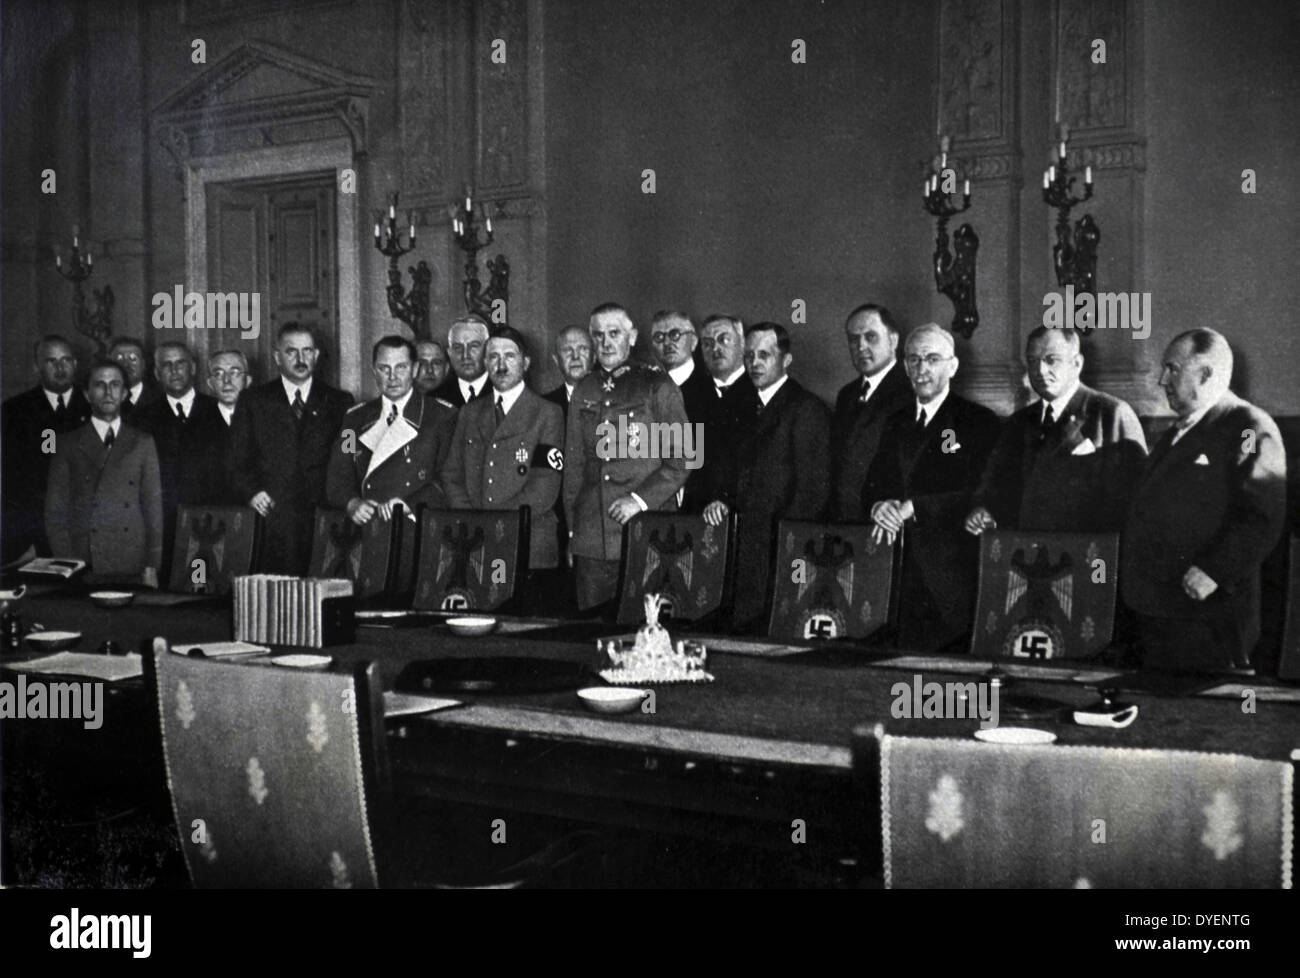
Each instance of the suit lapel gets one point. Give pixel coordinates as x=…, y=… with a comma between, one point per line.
x=392, y=437
x=1166, y=452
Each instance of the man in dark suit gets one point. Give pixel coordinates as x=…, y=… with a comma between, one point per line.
x=1207, y=510
x=1068, y=462
x=466, y=342
x=863, y=405
x=606, y=480
x=280, y=449
x=734, y=406
x=188, y=433
x=674, y=340
x=778, y=468
x=573, y=357
x=228, y=378
x=391, y=450
x=32, y=422
x=509, y=448
x=140, y=388
x=105, y=503
x=930, y=458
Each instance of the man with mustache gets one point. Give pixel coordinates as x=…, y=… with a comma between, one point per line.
x=1207, y=510
x=280, y=449
x=930, y=458
x=1068, y=462
x=105, y=500
x=508, y=449
x=32, y=423
x=863, y=405
x=466, y=343
x=604, y=486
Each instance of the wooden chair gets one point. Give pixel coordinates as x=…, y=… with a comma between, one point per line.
x=949, y=812
x=1045, y=595
x=214, y=545
x=830, y=580
x=471, y=559
x=369, y=556
x=277, y=776
x=683, y=559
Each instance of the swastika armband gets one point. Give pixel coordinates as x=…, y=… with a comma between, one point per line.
x=548, y=457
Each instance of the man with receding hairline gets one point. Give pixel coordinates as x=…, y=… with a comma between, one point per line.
x=189, y=436
x=280, y=449
x=1067, y=463
x=466, y=346
x=1207, y=510
x=930, y=458
x=863, y=405
x=32, y=422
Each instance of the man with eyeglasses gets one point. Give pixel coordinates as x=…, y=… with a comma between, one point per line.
x=863, y=405
x=1066, y=463
x=228, y=377
x=280, y=448
x=32, y=423
x=466, y=346
x=932, y=453
x=391, y=451
x=189, y=436
x=673, y=338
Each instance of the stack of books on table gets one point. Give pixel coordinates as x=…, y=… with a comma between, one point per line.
x=281, y=610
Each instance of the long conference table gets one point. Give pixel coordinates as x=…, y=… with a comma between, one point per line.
x=766, y=747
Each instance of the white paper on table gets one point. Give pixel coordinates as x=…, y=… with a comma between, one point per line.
x=409, y=704
x=215, y=650
x=109, y=668
x=974, y=667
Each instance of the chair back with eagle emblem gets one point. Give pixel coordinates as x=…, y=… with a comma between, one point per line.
x=1045, y=595
x=214, y=545
x=688, y=563
x=472, y=559
x=369, y=556
x=830, y=580
x=278, y=777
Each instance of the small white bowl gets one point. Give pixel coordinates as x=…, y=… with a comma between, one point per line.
x=49, y=641
x=611, y=699
x=471, y=626
x=112, y=599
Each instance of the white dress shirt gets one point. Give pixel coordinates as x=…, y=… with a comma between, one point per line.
x=682, y=374
x=932, y=408
x=876, y=380
x=509, y=397
x=227, y=413
x=768, y=393
x=718, y=385
x=290, y=389
x=470, y=390
x=187, y=402
x=102, y=427
x=1058, y=404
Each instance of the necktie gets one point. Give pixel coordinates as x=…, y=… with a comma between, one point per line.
x=1049, y=417
x=298, y=404
x=920, y=422
x=472, y=393
x=392, y=415
x=180, y=410
x=61, y=411
x=866, y=390
x=721, y=389
x=500, y=410
x=108, y=438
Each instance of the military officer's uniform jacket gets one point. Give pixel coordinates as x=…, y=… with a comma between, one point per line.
x=642, y=394
x=517, y=463
x=375, y=460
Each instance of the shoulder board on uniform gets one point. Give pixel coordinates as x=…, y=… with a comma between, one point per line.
x=358, y=407
x=445, y=403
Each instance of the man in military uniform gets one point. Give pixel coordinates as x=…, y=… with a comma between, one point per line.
x=607, y=481
x=391, y=450
x=508, y=448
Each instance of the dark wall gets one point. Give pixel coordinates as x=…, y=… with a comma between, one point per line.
x=775, y=181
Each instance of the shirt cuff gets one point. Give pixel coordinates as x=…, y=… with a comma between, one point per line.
x=639, y=501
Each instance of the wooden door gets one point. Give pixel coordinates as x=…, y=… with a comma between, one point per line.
x=278, y=239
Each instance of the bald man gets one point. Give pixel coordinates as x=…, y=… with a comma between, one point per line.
x=929, y=462
x=1206, y=512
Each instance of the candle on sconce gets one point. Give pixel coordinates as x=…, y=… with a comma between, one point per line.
x=1087, y=174
x=966, y=190
x=392, y=212
x=1047, y=181
x=489, y=224
x=90, y=260
x=469, y=203
x=376, y=231
x=1051, y=174
x=925, y=187
x=58, y=261
x=1062, y=153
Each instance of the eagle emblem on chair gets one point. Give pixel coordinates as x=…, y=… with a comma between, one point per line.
x=462, y=554
x=669, y=566
x=1039, y=594
x=208, y=544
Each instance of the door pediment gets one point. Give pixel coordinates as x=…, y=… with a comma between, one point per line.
x=262, y=95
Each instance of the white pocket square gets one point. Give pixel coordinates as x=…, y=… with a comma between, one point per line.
x=1085, y=447
x=1201, y=460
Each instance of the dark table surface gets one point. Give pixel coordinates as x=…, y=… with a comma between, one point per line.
x=801, y=708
